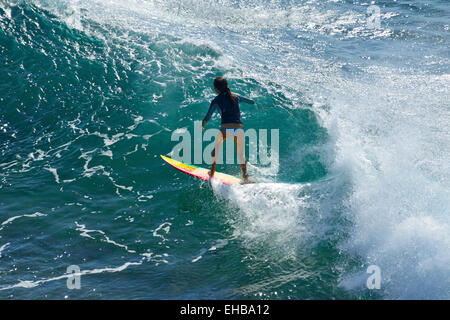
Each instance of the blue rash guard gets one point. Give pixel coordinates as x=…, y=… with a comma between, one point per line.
x=229, y=112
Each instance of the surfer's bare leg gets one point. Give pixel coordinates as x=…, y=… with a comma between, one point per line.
x=213, y=170
x=239, y=140
x=221, y=137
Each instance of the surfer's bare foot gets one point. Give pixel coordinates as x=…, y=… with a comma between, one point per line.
x=212, y=171
x=245, y=179
x=244, y=173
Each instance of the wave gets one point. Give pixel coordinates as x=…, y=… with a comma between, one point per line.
x=98, y=86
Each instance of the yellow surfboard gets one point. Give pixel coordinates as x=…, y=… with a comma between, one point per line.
x=200, y=173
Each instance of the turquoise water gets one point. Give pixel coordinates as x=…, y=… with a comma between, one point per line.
x=91, y=92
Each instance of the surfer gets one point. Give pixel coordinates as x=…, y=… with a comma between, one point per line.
x=227, y=104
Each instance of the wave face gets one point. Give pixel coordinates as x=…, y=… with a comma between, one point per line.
x=93, y=90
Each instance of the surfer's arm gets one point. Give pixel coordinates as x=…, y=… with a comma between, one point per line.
x=210, y=112
x=244, y=99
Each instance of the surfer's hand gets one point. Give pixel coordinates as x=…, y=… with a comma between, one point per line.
x=202, y=127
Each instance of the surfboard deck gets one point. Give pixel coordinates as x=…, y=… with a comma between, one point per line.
x=201, y=173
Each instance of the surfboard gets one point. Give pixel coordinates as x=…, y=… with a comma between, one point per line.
x=200, y=173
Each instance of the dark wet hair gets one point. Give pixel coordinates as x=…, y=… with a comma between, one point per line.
x=222, y=85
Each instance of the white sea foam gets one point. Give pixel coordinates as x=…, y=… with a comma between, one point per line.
x=32, y=284
x=54, y=172
x=3, y=247
x=270, y=214
x=393, y=141
x=86, y=233
x=165, y=226
x=10, y=220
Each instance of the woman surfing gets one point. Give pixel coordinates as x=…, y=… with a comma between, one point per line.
x=227, y=104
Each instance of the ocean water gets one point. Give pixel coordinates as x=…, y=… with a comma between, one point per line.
x=91, y=92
